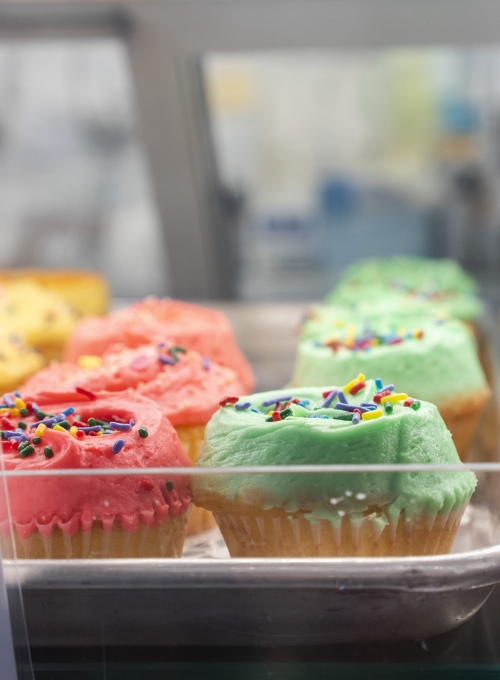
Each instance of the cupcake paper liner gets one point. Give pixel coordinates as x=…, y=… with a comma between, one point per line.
x=275, y=533
x=165, y=540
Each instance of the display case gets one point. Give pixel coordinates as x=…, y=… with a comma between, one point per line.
x=304, y=592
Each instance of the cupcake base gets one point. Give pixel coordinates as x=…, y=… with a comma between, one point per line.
x=250, y=532
x=191, y=437
x=166, y=540
x=462, y=420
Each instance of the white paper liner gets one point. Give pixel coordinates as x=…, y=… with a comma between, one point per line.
x=280, y=535
x=165, y=540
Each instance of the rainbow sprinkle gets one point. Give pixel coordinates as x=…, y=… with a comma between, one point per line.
x=27, y=439
x=243, y=406
x=331, y=396
x=367, y=340
x=285, y=406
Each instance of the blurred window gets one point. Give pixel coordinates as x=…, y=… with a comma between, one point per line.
x=340, y=155
x=74, y=189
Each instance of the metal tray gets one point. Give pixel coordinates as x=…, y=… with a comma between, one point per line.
x=208, y=599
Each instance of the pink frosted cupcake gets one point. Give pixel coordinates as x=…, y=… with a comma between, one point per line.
x=82, y=517
x=186, y=386
x=207, y=331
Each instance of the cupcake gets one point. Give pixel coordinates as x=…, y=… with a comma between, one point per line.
x=440, y=282
x=204, y=330
x=394, y=310
x=68, y=517
x=17, y=361
x=332, y=514
x=437, y=362
x=38, y=315
x=85, y=291
x=186, y=386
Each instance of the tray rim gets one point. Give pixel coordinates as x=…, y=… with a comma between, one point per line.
x=464, y=570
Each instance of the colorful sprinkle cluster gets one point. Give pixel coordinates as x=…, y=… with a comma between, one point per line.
x=336, y=402
x=27, y=438
x=166, y=357
x=142, y=361
x=170, y=356
x=367, y=340
x=432, y=295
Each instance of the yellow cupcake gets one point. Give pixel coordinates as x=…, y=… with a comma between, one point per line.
x=17, y=361
x=40, y=316
x=87, y=291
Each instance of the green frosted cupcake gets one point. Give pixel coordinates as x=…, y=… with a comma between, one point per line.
x=333, y=514
x=435, y=361
x=441, y=283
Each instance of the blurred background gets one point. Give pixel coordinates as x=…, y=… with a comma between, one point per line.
x=74, y=185
x=340, y=155
x=317, y=157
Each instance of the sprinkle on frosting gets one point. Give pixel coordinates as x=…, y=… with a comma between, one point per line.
x=335, y=406
x=169, y=357
x=166, y=360
x=330, y=396
x=228, y=400
x=175, y=351
x=140, y=362
x=277, y=400
x=118, y=445
x=244, y=405
x=89, y=361
x=86, y=393
x=26, y=437
x=368, y=339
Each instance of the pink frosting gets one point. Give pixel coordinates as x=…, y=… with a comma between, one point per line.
x=187, y=392
x=73, y=503
x=207, y=331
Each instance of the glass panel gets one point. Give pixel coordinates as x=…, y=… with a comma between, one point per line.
x=15, y=657
x=117, y=532
x=130, y=606
x=339, y=155
x=74, y=188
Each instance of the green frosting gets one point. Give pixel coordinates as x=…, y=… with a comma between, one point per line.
x=389, y=313
x=329, y=436
x=443, y=284
x=424, y=274
x=441, y=367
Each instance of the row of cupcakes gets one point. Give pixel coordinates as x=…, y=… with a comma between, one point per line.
x=260, y=514
x=413, y=322
x=180, y=364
